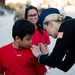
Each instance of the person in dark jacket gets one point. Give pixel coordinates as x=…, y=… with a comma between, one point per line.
x=61, y=27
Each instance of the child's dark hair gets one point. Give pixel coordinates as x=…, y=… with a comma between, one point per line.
x=22, y=28
x=26, y=13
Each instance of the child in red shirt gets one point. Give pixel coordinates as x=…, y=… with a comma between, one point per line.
x=16, y=58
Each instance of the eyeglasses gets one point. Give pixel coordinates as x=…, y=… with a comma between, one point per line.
x=32, y=15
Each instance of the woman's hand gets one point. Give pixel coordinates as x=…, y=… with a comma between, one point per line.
x=43, y=48
x=35, y=50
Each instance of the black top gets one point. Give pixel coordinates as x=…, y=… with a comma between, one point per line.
x=64, y=47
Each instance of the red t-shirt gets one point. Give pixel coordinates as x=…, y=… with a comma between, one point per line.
x=26, y=64
x=40, y=38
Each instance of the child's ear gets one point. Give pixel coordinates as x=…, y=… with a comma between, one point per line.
x=17, y=39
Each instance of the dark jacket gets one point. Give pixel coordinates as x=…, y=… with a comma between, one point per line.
x=63, y=54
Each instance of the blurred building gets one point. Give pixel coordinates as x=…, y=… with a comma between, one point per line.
x=2, y=1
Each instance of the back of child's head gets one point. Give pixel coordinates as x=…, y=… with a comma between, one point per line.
x=21, y=28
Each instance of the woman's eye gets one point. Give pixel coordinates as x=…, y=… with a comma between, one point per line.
x=46, y=23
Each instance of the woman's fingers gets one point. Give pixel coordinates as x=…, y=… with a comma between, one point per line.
x=35, y=50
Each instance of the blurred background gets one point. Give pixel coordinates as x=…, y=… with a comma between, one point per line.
x=12, y=6
x=9, y=9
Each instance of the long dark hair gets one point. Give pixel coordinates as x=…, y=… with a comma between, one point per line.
x=26, y=13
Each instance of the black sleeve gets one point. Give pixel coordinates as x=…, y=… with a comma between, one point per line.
x=68, y=61
x=61, y=47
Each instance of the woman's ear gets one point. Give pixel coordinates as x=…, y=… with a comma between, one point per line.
x=51, y=24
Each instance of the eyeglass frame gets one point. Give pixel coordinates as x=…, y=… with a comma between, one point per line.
x=32, y=15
